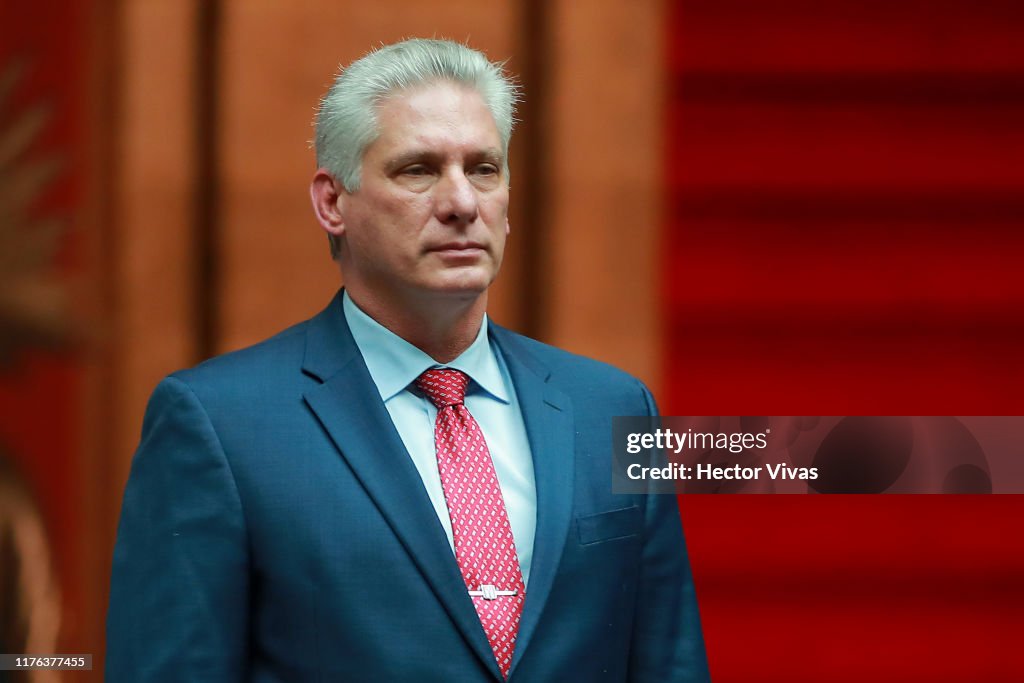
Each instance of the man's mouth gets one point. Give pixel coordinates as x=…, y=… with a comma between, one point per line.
x=458, y=248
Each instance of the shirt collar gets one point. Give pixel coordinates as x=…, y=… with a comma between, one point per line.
x=394, y=363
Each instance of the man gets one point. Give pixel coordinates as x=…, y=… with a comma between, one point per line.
x=398, y=489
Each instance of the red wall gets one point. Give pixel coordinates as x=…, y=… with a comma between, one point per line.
x=845, y=202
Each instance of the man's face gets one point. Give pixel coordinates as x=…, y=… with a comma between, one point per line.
x=430, y=215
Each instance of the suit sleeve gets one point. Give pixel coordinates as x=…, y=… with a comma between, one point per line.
x=668, y=645
x=179, y=586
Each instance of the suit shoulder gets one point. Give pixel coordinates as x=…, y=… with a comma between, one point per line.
x=282, y=352
x=573, y=368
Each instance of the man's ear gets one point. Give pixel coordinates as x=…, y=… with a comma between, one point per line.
x=507, y=228
x=327, y=196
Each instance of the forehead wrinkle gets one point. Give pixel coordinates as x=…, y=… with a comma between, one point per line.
x=404, y=97
x=445, y=110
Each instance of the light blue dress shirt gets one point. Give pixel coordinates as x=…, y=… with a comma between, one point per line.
x=394, y=365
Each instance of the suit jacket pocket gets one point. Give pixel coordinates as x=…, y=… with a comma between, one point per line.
x=606, y=526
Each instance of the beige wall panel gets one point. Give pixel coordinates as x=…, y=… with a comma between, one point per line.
x=279, y=56
x=99, y=467
x=606, y=147
x=153, y=325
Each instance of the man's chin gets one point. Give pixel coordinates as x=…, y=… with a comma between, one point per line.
x=462, y=285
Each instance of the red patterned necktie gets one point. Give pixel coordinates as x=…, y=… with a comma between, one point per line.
x=484, y=547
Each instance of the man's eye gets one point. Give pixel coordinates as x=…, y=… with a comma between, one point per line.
x=486, y=169
x=415, y=171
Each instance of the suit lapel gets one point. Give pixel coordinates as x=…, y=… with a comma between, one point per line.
x=547, y=414
x=349, y=407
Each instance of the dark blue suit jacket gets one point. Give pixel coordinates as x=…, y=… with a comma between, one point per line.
x=274, y=528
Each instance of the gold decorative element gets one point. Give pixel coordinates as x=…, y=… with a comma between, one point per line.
x=29, y=599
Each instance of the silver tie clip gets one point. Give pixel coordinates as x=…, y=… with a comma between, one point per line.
x=489, y=592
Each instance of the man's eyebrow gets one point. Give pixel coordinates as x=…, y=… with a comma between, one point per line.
x=411, y=157
x=491, y=154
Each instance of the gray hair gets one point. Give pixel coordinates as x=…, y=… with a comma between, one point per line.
x=346, y=122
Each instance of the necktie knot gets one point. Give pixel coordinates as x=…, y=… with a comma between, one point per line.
x=444, y=386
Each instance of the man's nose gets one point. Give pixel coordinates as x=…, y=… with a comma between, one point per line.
x=456, y=200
